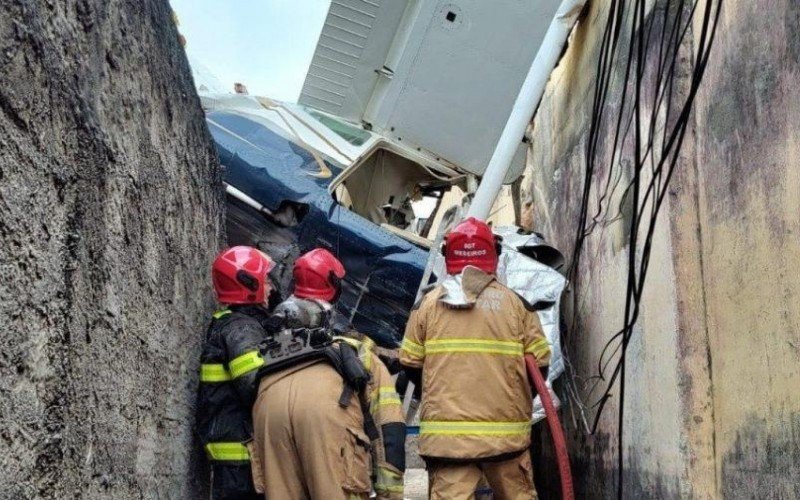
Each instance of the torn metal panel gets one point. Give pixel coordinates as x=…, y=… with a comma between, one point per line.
x=281, y=204
x=537, y=283
x=540, y=285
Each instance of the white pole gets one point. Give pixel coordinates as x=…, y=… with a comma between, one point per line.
x=529, y=96
x=239, y=195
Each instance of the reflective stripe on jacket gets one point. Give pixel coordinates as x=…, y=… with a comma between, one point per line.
x=229, y=363
x=476, y=398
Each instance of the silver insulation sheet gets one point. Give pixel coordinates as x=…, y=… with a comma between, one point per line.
x=535, y=282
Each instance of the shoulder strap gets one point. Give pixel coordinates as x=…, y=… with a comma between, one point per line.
x=355, y=377
x=370, y=429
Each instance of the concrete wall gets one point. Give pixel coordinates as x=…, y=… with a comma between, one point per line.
x=712, y=407
x=110, y=213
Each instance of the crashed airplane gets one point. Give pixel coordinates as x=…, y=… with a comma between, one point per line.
x=380, y=127
x=289, y=177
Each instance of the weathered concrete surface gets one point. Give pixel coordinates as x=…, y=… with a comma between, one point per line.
x=110, y=214
x=749, y=207
x=712, y=405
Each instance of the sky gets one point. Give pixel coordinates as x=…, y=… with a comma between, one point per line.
x=265, y=44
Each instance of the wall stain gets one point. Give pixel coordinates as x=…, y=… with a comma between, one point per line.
x=764, y=461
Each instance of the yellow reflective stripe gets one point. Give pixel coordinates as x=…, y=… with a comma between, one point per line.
x=443, y=346
x=227, y=451
x=365, y=353
x=362, y=345
x=353, y=342
x=389, y=480
x=214, y=373
x=384, y=396
x=412, y=348
x=245, y=363
x=367, y=360
x=539, y=348
x=221, y=313
x=388, y=401
x=429, y=427
x=394, y=488
x=364, y=349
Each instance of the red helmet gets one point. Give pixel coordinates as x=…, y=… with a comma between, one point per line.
x=317, y=275
x=471, y=243
x=240, y=276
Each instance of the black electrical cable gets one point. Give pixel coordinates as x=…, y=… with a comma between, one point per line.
x=660, y=93
x=601, y=364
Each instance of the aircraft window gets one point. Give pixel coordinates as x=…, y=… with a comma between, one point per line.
x=349, y=133
x=393, y=191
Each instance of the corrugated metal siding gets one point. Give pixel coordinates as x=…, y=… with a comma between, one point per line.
x=341, y=45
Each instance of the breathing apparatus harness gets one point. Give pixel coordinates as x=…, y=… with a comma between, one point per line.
x=290, y=346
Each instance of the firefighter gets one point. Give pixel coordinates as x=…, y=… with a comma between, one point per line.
x=328, y=422
x=229, y=366
x=465, y=342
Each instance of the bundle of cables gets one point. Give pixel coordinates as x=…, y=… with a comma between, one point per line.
x=648, y=120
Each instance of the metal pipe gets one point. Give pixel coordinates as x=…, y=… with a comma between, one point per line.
x=247, y=200
x=529, y=96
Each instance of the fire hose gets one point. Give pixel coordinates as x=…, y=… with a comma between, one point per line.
x=559, y=442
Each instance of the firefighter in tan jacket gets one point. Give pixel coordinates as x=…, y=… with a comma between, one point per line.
x=326, y=427
x=468, y=337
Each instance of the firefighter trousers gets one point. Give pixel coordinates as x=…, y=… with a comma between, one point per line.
x=510, y=480
x=307, y=446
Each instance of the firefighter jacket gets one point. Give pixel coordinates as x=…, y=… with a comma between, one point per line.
x=228, y=382
x=385, y=409
x=476, y=397
x=377, y=406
